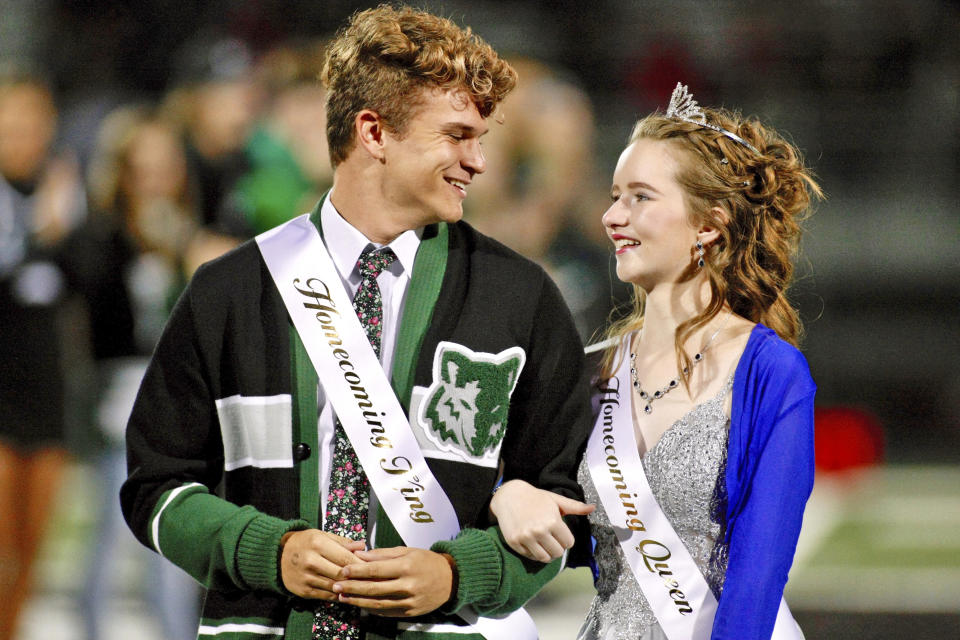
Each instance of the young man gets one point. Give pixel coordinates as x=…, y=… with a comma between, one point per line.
x=240, y=433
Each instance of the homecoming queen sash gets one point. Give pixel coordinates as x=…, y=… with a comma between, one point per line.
x=666, y=572
x=368, y=409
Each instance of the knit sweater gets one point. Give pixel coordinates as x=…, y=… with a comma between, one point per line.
x=220, y=439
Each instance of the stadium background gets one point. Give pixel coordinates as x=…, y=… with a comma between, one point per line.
x=869, y=90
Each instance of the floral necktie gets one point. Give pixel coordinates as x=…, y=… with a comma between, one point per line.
x=349, y=501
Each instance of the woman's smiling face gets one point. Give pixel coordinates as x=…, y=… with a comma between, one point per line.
x=648, y=221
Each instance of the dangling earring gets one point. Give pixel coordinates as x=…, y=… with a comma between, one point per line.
x=700, y=261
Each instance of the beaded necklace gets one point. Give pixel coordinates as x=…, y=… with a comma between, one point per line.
x=674, y=383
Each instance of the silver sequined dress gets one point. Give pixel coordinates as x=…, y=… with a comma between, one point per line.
x=685, y=470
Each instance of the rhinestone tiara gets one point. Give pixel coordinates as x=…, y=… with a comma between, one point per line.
x=683, y=107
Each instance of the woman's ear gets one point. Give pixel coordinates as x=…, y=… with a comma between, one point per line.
x=368, y=127
x=709, y=231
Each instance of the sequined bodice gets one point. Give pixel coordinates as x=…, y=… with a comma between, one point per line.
x=685, y=470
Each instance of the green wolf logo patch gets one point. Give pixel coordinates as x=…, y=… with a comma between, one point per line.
x=465, y=409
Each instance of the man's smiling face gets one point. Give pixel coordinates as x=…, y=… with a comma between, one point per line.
x=429, y=167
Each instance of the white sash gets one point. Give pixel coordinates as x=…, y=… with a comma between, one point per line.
x=668, y=576
x=355, y=382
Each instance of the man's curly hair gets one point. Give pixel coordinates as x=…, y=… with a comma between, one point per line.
x=384, y=58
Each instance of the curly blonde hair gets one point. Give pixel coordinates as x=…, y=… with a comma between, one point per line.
x=763, y=198
x=386, y=56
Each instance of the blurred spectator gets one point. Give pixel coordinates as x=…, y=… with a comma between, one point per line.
x=289, y=162
x=540, y=194
x=217, y=101
x=127, y=264
x=41, y=200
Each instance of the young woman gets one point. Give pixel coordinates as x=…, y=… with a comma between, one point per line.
x=41, y=202
x=701, y=460
x=127, y=265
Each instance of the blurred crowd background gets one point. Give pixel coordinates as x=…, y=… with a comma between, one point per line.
x=139, y=139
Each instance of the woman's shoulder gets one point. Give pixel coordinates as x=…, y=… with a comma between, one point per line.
x=765, y=346
x=768, y=355
x=596, y=355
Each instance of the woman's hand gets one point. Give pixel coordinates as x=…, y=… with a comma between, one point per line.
x=531, y=519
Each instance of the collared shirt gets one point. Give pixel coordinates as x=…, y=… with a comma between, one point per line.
x=345, y=244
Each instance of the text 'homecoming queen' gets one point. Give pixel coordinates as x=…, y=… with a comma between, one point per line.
x=655, y=554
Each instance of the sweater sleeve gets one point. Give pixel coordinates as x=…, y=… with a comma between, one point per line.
x=175, y=459
x=548, y=426
x=491, y=577
x=550, y=418
x=779, y=469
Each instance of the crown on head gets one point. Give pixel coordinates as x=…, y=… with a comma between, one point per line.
x=683, y=107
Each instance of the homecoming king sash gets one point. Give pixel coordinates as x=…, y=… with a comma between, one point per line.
x=363, y=399
x=667, y=574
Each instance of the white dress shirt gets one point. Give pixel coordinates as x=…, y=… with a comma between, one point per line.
x=345, y=243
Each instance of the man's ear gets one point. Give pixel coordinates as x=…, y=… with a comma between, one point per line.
x=369, y=130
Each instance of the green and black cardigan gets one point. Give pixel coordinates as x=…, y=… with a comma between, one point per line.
x=214, y=484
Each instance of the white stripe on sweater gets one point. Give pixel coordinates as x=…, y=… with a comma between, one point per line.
x=155, y=525
x=435, y=628
x=258, y=629
x=257, y=431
